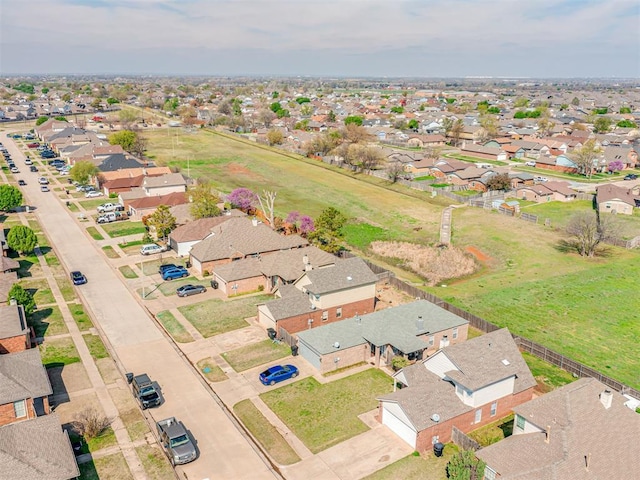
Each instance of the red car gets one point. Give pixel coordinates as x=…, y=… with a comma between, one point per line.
x=33, y=145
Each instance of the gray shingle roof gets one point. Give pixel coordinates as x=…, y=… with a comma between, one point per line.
x=22, y=376
x=346, y=274
x=36, y=449
x=170, y=179
x=238, y=237
x=395, y=326
x=580, y=425
x=12, y=321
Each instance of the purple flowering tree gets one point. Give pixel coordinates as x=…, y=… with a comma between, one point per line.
x=243, y=198
x=306, y=225
x=616, y=166
x=293, y=217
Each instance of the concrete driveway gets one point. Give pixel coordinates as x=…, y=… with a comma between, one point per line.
x=139, y=346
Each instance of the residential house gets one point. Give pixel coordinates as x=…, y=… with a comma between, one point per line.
x=546, y=192
x=141, y=206
x=514, y=151
x=268, y=272
x=15, y=334
x=614, y=199
x=186, y=236
x=164, y=184
x=420, y=167
x=473, y=177
x=444, y=166
x=480, y=151
x=424, y=141
x=531, y=149
x=321, y=296
x=561, y=163
x=134, y=172
x=467, y=385
x=581, y=431
x=414, y=331
x=238, y=238
x=519, y=179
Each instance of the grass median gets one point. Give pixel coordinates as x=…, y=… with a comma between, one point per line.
x=174, y=327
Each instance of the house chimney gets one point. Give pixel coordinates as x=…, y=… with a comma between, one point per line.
x=547, y=434
x=606, y=398
x=420, y=323
x=254, y=222
x=305, y=259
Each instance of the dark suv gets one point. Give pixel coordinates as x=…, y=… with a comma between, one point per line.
x=144, y=390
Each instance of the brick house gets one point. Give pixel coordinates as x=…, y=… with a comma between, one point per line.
x=467, y=385
x=238, y=238
x=580, y=431
x=614, y=199
x=413, y=330
x=15, y=335
x=321, y=296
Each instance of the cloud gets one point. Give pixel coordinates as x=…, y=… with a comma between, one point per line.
x=352, y=31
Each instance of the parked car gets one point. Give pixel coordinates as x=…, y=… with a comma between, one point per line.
x=28, y=161
x=47, y=154
x=144, y=390
x=93, y=194
x=541, y=179
x=78, y=278
x=44, y=188
x=278, y=373
x=151, y=248
x=22, y=183
x=175, y=441
x=167, y=266
x=631, y=176
x=174, y=273
x=33, y=168
x=43, y=181
x=15, y=170
x=530, y=163
x=186, y=290
x=109, y=207
x=33, y=145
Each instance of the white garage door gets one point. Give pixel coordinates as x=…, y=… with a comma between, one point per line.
x=398, y=427
x=308, y=355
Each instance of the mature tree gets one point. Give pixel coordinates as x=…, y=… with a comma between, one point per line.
x=21, y=239
x=41, y=120
x=127, y=116
x=602, y=124
x=139, y=145
x=585, y=156
x=521, y=102
x=204, y=201
x=275, y=137
x=82, y=171
x=266, y=117
x=588, y=230
x=171, y=104
x=187, y=114
x=327, y=231
x=323, y=144
x=453, y=129
x=306, y=110
x=331, y=116
x=10, y=197
x=499, y=181
x=413, y=124
x=267, y=201
x=163, y=221
x=367, y=158
x=488, y=128
x=243, y=199
x=575, y=102
x=22, y=297
x=615, y=166
x=354, y=133
x=125, y=138
x=465, y=466
x=353, y=119
x=395, y=171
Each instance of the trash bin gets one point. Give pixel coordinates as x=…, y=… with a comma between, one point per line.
x=214, y=284
x=129, y=377
x=294, y=350
x=272, y=333
x=438, y=448
x=187, y=264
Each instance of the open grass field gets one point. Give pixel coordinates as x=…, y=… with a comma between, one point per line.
x=255, y=354
x=323, y=415
x=305, y=185
x=58, y=351
x=583, y=308
x=120, y=229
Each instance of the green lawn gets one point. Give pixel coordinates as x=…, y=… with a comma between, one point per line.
x=95, y=234
x=210, y=370
x=169, y=287
x=255, y=354
x=66, y=288
x=95, y=346
x=494, y=432
x=128, y=272
x=549, y=376
x=155, y=463
x=213, y=317
x=174, y=327
x=412, y=467
x=39, y=289
x=110, y=252
x=47, y=322
x=323, y=415
x=579, y=307
x=360, y=235
x=80, y=316
x=268, y=435
x=58, y=351
x=120, y=229
x=91, y=204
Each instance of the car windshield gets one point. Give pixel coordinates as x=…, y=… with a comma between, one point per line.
x=147, y=390
x=150, y=395
x=181, y=440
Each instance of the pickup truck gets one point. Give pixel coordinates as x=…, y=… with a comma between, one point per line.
x=110, y=207
x=145, y=391
x=112, y=217
x=175, y=441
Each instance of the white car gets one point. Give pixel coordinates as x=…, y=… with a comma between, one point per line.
x=93, y=194
x=541, y=179
x=530, y=163
x=15, y=170
x=43, y=181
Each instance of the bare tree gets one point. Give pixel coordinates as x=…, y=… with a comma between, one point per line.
x=90, y=423
x=588, y=230
x=267, y=200
x=395, y=171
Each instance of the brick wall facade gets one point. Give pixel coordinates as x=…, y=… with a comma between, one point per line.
x=14, y=344
x=7, y=412
x=301, y=322
x=245, y=285
x=348, y=356
x=466, y=422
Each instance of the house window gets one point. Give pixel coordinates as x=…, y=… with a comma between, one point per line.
x=489, y=474
x=519, y=422
x=20, y=408
x=455, y=333
x=478, y=416
x=494, y=408
x=339, y=312
x=432, y=340
x=325, y=315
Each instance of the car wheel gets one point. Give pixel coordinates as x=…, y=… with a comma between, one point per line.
x=272, y=382
x=185, y=275
x=294, y=375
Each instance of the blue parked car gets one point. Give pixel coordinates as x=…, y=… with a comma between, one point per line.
x=278, y=373
x=173, y=273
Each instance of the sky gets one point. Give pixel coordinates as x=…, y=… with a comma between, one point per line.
x=328, y=38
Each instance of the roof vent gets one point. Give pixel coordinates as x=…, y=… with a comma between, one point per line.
x=435, y=418
x=336, y=345
x=505, y=362
x=349, y=278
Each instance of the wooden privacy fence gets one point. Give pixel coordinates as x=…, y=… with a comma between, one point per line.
x=463, y=441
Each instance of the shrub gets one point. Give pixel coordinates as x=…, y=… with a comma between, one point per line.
x=399, y=362
x=90, y=423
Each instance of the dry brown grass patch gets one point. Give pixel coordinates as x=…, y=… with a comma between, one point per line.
x=434, y=264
